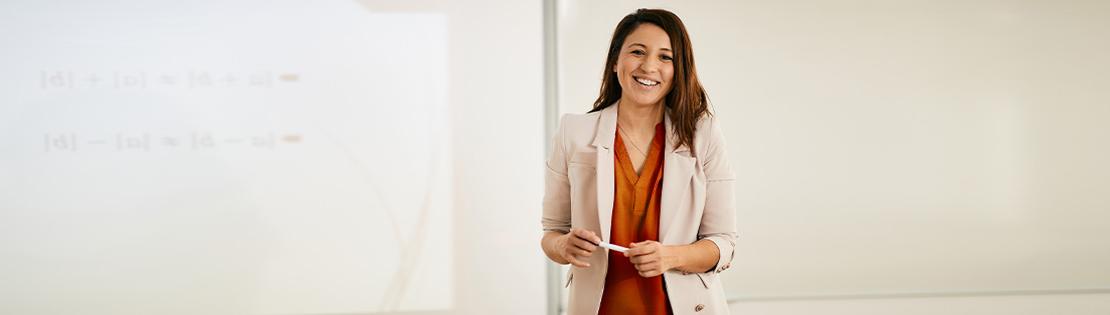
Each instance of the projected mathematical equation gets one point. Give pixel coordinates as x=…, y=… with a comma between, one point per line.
x=146, y=142
x=143, y=80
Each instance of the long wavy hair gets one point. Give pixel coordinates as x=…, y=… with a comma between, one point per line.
x=686, y=102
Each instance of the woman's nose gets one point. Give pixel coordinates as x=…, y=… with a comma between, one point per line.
x=650, y=65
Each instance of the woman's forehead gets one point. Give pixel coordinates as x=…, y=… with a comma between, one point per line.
x=650, y=36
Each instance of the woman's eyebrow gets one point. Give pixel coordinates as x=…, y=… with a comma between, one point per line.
x=644, y=46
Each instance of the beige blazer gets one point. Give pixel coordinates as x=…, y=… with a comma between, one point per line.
x=697, y=203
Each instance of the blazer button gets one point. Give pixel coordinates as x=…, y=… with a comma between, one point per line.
x=699, y=307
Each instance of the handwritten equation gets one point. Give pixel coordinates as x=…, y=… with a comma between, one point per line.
x=51, y=80
x=145, y=142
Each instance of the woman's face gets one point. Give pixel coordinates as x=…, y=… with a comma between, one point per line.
x=644, y=67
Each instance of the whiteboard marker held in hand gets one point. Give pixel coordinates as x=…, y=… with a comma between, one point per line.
x=613, y=247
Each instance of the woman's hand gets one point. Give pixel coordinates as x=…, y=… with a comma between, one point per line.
x=651, y=258
x=577, y=246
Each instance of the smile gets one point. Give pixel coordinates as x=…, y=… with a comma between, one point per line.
x=646, y=82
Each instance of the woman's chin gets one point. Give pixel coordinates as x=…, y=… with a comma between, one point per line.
x=642, y=99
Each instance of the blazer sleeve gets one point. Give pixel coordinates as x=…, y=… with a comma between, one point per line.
x=718, y=222
x=556, y=197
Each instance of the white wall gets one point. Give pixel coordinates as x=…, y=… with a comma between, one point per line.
x=497, y=68
x=890, y=151
x=497, y=95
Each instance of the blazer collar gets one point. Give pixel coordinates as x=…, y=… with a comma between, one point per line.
x=607, y=129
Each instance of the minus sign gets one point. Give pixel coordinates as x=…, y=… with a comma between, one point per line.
x=233, y=141
x=98, y=142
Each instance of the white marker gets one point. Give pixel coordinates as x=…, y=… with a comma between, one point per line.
x=613, y=247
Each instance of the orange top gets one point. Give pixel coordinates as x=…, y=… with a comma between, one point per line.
x=635, y=219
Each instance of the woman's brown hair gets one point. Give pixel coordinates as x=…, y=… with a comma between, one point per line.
x=686, y=102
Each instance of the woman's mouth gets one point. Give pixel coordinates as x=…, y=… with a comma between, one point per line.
x=645, y=82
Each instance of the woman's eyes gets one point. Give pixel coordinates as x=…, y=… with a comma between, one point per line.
x=640, y=52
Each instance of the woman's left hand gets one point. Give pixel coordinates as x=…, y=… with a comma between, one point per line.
x=650, y=258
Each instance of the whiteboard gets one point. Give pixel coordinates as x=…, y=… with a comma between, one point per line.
x=249, y=157
x=905, y=147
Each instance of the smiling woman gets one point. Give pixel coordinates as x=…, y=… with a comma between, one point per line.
x=646, y=168
x=670, y=54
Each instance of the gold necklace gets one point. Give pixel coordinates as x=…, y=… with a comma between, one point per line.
x=634, y=146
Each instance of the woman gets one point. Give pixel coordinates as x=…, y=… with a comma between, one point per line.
x=645, y=169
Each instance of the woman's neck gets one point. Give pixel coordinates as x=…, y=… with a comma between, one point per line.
x=639, y=116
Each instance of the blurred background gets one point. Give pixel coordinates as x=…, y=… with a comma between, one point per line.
x=380, y=157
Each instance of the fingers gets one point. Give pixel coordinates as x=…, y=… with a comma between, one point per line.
x=584, y=240
x=577, y=247
x=579, y=252
x=582, y=244
x=576, y=256
x=585, y=235
x=649, y=274
x=646, y=256
x=643, y=248
x=573, y=260
x=643, y=259
x=649, y=269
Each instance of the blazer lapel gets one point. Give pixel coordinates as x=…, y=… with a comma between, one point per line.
x=606, y=133
x=678, y=168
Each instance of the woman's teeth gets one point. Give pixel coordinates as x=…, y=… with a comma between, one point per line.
x=647, y=82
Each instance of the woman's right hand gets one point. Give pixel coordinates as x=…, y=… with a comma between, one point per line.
x=577, y=246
